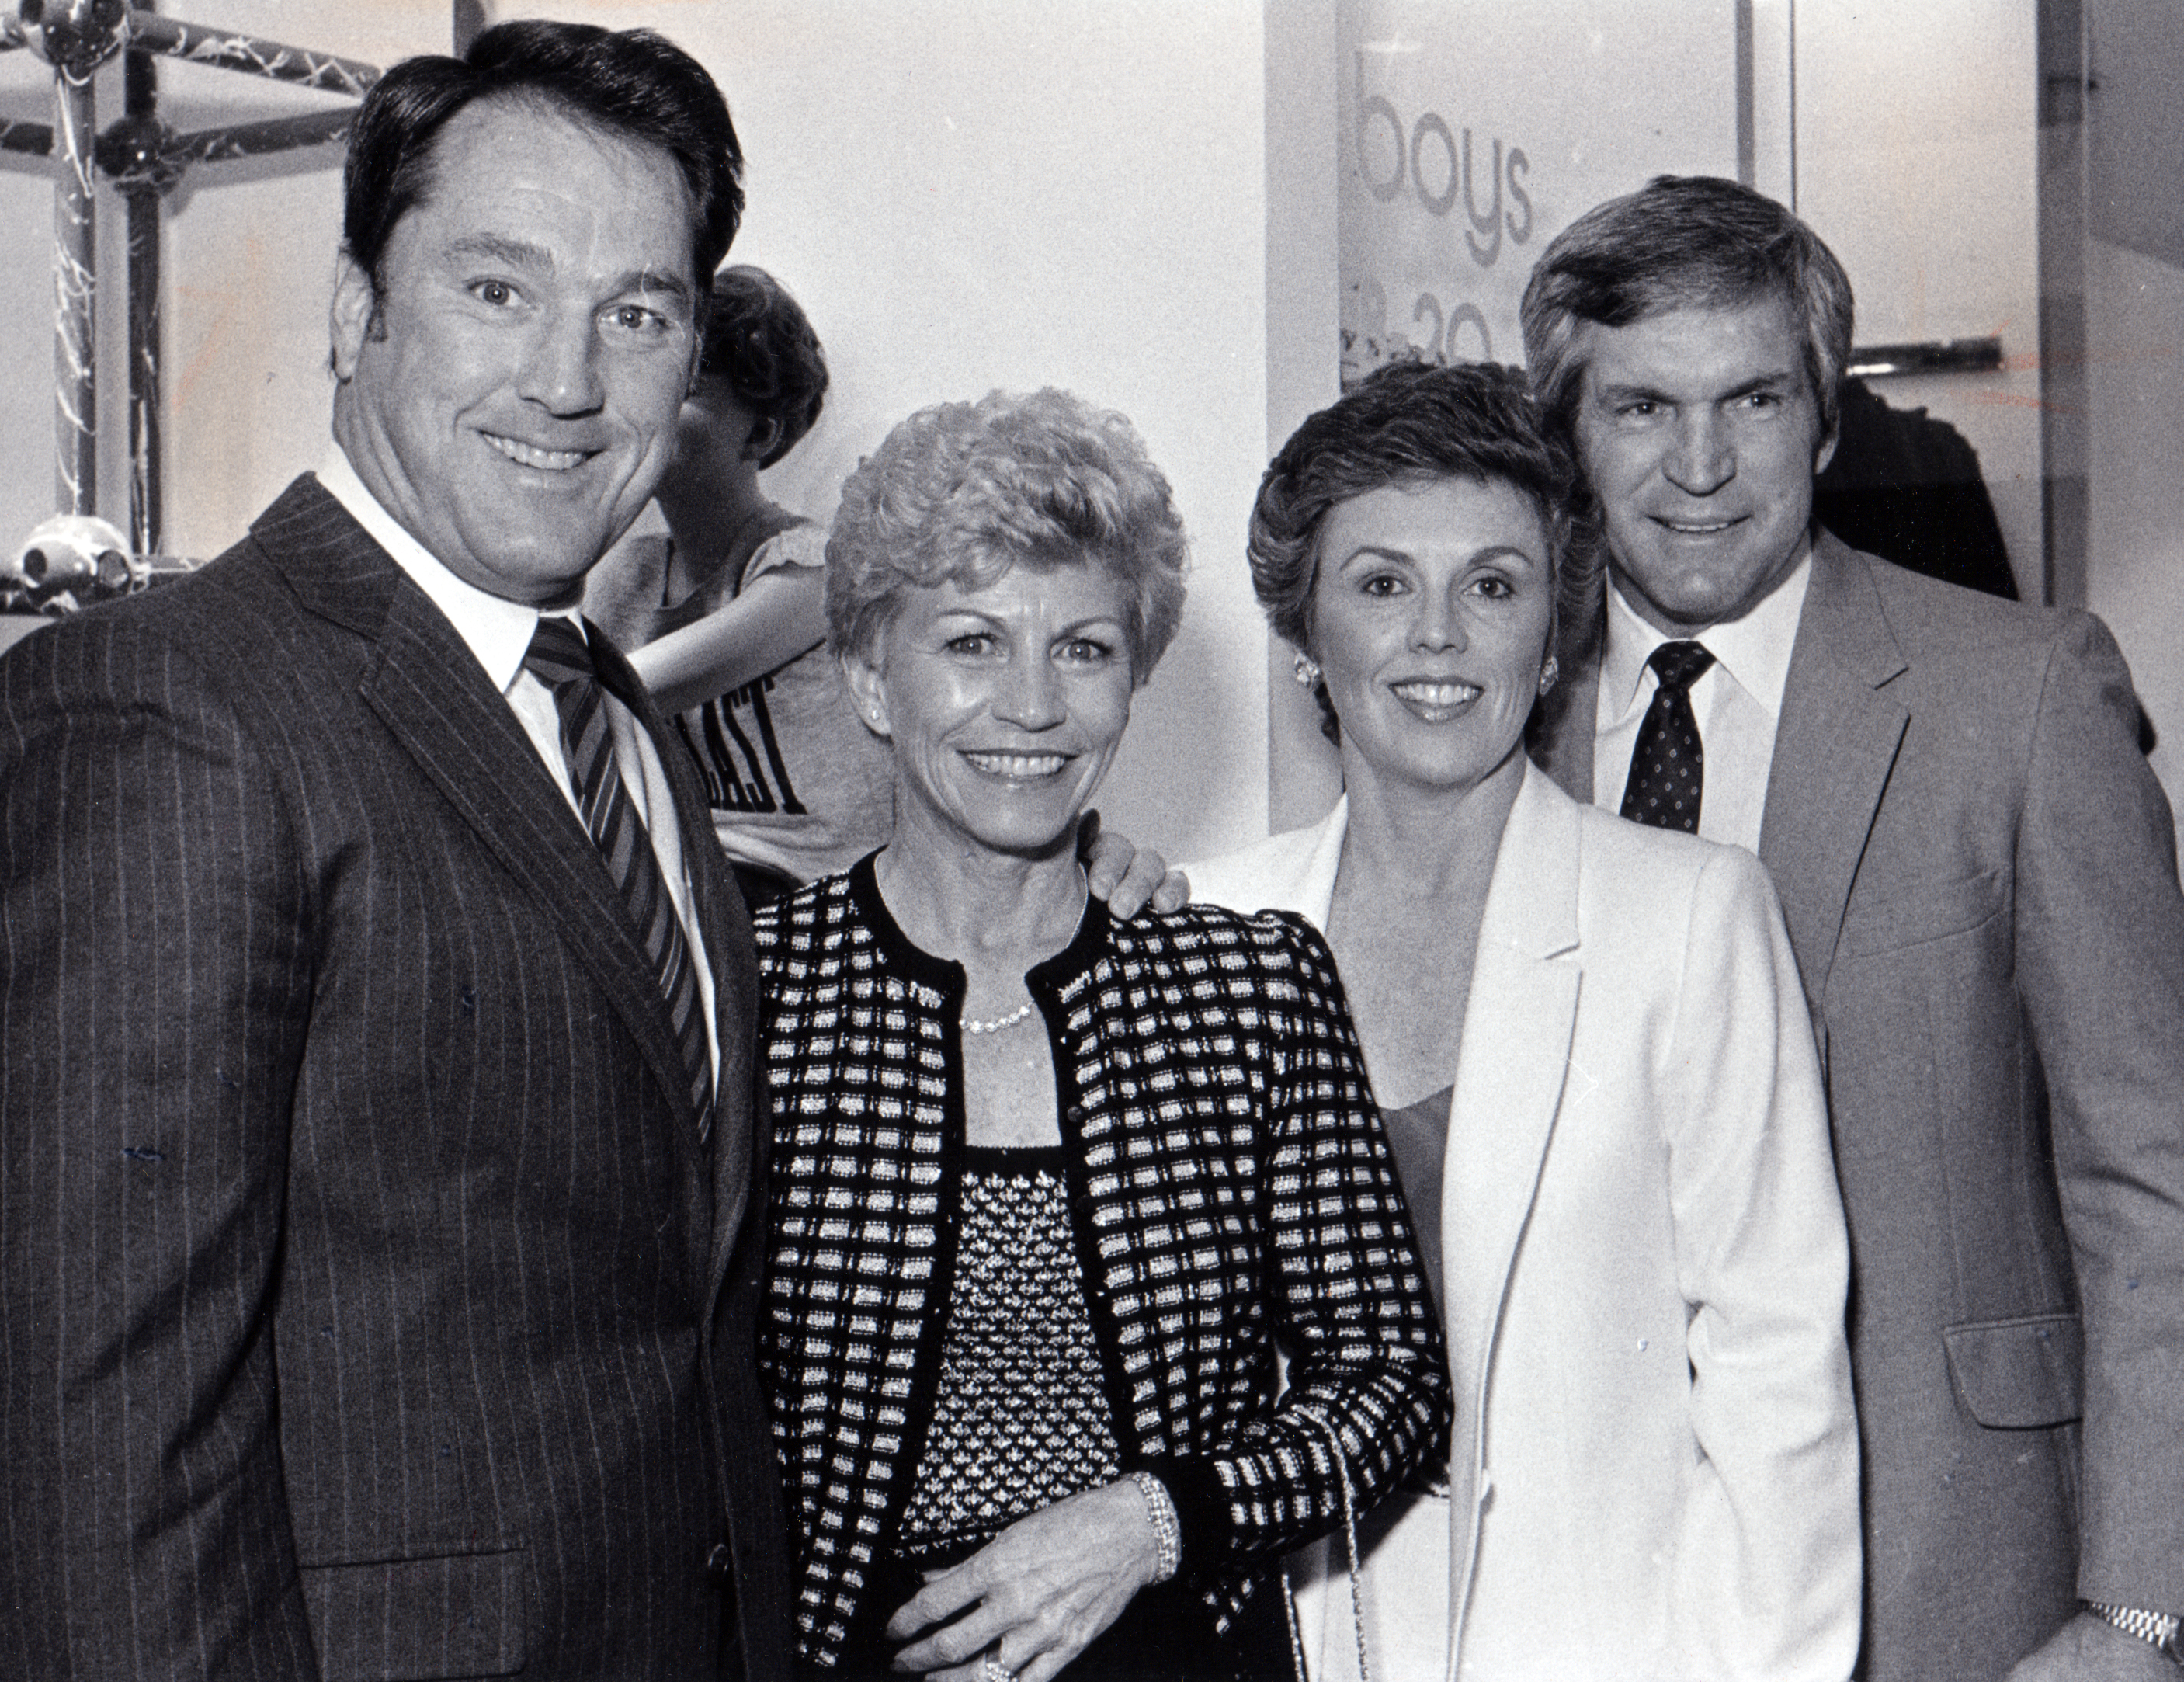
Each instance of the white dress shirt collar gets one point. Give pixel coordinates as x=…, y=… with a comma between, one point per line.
x=1755, y=649
x=496, y=631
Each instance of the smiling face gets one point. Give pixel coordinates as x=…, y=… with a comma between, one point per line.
x=1430, y=610
x=510, y=396
x=1700, y=432
x=1005, y=703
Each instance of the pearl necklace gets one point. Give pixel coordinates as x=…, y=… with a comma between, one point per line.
x=998, y=1023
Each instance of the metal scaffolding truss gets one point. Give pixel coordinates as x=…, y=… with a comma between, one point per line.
x=145, y=160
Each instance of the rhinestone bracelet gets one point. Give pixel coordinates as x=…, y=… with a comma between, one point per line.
x=1167, y=1532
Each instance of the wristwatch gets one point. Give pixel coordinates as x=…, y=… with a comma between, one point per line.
x=2158, y=1630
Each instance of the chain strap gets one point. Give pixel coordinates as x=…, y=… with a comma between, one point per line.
x=1350, y=1538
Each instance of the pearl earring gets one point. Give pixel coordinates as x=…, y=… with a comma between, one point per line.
x=1307, y=670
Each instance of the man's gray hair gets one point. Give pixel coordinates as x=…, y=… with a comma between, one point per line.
x=1680, y=242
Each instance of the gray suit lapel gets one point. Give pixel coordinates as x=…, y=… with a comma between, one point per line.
x=1834, y=751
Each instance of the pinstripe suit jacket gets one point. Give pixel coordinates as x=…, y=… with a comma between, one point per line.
x=1979, y=876
x=371, y=1309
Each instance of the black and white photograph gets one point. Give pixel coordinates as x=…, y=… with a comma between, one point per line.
x=1010, y=839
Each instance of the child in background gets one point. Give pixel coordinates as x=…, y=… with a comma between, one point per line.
x=725, y=616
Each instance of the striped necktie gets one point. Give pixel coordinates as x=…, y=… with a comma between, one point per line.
x=1668, y=763
x=560, y=659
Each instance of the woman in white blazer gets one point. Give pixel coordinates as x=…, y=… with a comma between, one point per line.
x=1642, y=1260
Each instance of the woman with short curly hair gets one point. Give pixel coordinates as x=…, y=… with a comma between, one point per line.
x=961, y=492
x=1048, y=1189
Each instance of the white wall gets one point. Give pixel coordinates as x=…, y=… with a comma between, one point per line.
x=964, y=194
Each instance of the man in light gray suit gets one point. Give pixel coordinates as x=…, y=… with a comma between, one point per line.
x=1978, y=871
x=381, y=1193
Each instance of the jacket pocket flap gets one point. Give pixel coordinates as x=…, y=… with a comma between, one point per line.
x=412, y=1620
x=1931, y=911
x=2019, y=1374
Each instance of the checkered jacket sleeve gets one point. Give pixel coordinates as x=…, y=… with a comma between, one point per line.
x=1230, y=1189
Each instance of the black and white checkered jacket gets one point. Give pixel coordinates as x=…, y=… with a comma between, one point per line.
x=1230, y=1186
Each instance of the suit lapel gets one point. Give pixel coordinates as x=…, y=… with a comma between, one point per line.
x=1510, y=1076
x=435, y=700
x=1834, y=751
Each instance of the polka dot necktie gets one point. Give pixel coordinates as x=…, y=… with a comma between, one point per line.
x=1665, y=766
x=560, y=659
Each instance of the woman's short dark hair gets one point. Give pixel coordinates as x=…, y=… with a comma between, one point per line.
x=1681, y=241
x=633, y=83
x=1406, y=424
x=758, y=340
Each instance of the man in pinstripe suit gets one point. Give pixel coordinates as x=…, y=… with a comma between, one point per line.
x=378, y=1241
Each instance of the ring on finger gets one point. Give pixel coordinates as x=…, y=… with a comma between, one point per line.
x=993, y=1670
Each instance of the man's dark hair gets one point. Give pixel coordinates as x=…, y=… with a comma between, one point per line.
x=757, y=339
x=1680, y=242
x=632, y=83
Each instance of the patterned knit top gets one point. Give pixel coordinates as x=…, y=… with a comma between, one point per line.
x=1227, y=1186
x=1020, y=1420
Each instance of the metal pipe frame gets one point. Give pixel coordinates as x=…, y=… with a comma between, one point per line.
x=142, y=192
x=145, y=161
x=258, y=139
x=75, y=293
x=120, y=153
x=223, y=49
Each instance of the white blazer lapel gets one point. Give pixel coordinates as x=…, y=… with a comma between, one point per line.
x=1292, y=872
x=1510, y=1076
